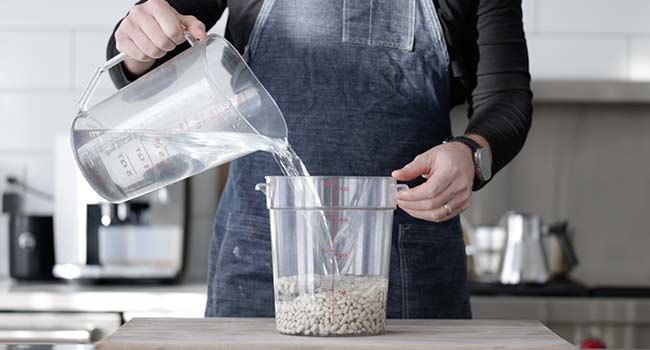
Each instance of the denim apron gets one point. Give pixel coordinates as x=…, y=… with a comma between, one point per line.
x=363, y=85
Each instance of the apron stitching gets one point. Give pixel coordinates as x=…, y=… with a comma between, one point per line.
x=345, y=19
x=412, y=25
x=258, y=26
x=370, y=23
x=437, y=31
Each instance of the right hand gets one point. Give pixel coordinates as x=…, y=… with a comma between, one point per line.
x=152, y=29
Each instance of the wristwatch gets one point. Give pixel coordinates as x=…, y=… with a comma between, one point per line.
x=482, y=162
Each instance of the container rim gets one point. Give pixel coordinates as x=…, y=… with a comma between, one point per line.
x=385, y=183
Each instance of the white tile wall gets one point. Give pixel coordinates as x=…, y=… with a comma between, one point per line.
x=36, y=59
x=594, y=16
x=588, y=39
x=563, y=57
x=71, y=14
x=89, y=53
x=34, y=118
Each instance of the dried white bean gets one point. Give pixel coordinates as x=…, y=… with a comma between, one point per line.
x=357, y=305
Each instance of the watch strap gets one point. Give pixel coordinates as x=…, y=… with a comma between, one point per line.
x=474, y=146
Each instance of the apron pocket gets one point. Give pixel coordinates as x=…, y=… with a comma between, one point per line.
x=433, y=270
x=387, y=23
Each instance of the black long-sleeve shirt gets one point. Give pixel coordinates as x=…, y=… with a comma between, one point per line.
x=487, y=47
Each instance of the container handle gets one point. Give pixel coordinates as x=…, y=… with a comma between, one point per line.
x=401, y=188
x=262, y=188
x=91, y=86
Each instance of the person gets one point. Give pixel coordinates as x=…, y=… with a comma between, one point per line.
x=366, y=88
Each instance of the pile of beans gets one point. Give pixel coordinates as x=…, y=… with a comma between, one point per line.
x=310, y=306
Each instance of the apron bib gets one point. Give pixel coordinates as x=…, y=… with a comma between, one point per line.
x=364, y=88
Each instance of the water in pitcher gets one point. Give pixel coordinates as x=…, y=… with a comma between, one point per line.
x=122, y=165
x=125, y=164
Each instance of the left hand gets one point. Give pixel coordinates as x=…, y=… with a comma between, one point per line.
x=449, y=170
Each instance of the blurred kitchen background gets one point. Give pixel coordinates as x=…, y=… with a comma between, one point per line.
x=585, y=162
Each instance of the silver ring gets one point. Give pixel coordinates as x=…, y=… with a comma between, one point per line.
x=449, y=210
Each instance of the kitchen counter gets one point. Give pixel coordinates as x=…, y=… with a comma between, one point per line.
x=80, y=347
x=260, y=333
x=62, y=297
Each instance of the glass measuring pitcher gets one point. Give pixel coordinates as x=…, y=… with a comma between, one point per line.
x=200, y=109
x=348, y=297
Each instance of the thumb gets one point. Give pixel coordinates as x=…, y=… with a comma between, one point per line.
x=195, y=27
x=420, y=166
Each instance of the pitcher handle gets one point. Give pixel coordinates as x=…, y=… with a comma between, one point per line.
x=91, y=86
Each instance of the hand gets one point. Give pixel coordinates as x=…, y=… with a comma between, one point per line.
x=449, y=170
x=152, y=29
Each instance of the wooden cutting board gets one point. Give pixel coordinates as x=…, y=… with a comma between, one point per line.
x=259, y=333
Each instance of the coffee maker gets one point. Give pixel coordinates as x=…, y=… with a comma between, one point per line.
x=139, y=240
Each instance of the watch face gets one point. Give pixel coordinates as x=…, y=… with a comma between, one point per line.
x=484, y=163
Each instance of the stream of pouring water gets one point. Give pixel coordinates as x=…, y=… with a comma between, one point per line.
x=291, y=165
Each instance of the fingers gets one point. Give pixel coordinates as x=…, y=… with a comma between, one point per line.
x=420, y=166
x=169, y=22
x=154, y=32
x=432, y=188
x=145, y=44
x=458, y=204
x=195, y=27
x=127, y=46
x=153, y=28
x=436, y=201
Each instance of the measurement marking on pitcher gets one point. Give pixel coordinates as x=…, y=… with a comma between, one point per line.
x=130, y=163
x=148, y=156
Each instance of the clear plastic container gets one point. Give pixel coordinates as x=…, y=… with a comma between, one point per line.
x=331, y=239
x=201, y=109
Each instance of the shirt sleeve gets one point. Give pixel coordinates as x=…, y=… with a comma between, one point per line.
x=501, y=101
x=206, y=11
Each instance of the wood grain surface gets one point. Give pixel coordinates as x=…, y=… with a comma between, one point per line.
x=260, y=333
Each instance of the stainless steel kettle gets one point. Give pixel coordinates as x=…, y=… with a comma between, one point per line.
x=534, y=252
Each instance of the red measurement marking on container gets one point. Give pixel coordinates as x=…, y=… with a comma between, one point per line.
x=339, y=291
x=335, y=187
x=335, y=219
x=334, y=253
